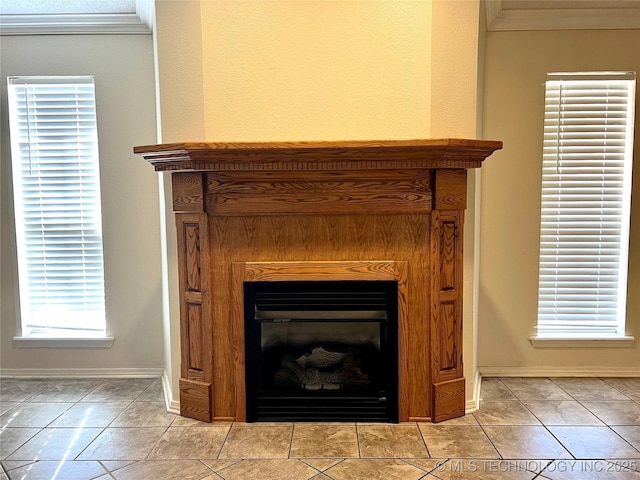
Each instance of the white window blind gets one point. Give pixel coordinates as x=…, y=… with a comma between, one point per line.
x=586, y=195
x=54, y=149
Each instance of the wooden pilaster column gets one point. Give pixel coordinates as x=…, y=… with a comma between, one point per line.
x=447, y=217
x=196, y=366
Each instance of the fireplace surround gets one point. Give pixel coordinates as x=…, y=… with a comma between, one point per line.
x=320, y=212
x=321, y=350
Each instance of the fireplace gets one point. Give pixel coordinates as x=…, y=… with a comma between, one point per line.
x=321, y=351
x=263, y=213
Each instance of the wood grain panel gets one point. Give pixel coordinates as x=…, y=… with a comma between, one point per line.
x=448, y=399
x=192, y=256
x=196, y=352
x=197, y=375
x=193, y=297
x=319, y=247
x=195, y=326
x=410, y=177
x=238, y=277
x=450, y=189
x=188, y=192
x=403, y=191
x=446, y=306
x=404, y=341
x=320, y=270
x=446, y=294
x=448, y=280
x=434, y=293
x=195, y=399
x=448, y=330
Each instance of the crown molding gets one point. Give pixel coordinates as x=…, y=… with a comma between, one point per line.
x=617, y=16
x=136, y=23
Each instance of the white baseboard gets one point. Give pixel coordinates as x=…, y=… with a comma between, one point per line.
x=473, y=404
x=81, y=372
x=173, y=406
x=559, y=371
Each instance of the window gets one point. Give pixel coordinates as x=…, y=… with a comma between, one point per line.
x=586, y=197
x=56, y=190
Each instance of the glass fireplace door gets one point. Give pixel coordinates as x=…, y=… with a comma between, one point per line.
x=321, y=351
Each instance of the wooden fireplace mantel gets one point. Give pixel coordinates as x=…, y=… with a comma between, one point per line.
x=347, y=155
x=340, y=208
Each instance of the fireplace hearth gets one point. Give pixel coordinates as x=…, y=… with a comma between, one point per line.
x=320, y=212
x=321, y=351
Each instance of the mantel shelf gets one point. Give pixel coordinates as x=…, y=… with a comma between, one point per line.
x=320, y=155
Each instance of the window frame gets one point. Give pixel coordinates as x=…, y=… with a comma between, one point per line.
x=598, y=336
x=63, y=338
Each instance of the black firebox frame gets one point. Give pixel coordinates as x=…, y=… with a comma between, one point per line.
x=322, y=301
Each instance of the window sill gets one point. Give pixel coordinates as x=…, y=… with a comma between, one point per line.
x=617, y=341
x=50, y=342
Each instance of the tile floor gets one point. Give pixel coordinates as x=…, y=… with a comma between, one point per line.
x=526, y=428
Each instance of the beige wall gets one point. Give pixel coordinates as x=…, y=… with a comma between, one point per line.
x=321, y=70
x=123, y=70
x=316, y=70
x=516, y=68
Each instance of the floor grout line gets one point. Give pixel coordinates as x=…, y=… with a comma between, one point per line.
x=626, y=436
